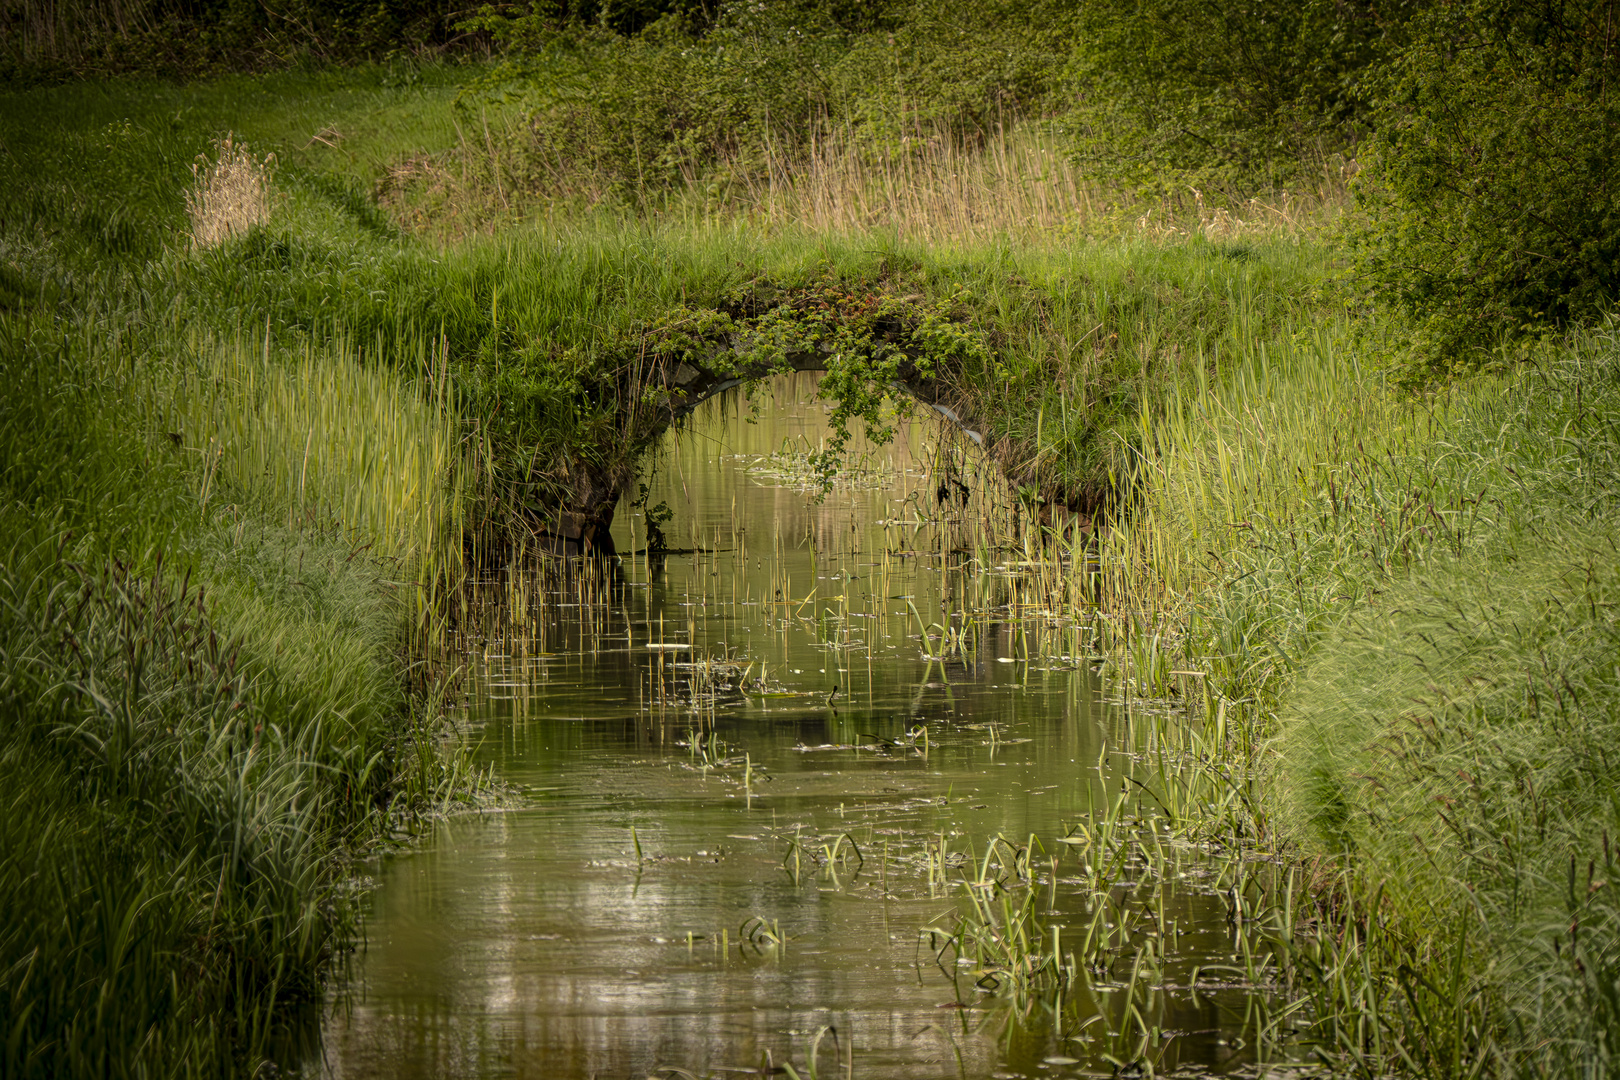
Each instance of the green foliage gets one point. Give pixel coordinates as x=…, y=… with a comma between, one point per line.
x=1281, y=484
x=1237, y=97
x=1491, y=187
x=202, y=705
x=642, y=112
x=1453, y=743
x=181, y=783
x=1050, y=355
x=1405, y=612
x=945, y=69
x=548, y=328
x=871, y=339
x=716, y=99
x=187, y=38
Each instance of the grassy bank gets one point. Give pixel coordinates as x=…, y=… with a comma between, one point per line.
x=205, y=696
x=216, y=618
x=1403, y=605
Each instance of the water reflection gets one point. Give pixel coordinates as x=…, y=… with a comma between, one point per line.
x=611, y=925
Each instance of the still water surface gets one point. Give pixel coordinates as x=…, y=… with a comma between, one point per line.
x=649, y=904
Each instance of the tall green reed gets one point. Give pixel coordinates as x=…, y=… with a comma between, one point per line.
x=332, y=436
x=1370, y=586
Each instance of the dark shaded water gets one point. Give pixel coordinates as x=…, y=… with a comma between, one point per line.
x=655, y=903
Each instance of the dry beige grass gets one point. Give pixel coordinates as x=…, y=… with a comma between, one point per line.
x=929, y=188
x=230, y=193
x=1287, y=212
x=1022, y=184
x=932, y=190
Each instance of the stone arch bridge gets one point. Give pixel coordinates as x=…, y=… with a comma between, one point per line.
x=871, y=341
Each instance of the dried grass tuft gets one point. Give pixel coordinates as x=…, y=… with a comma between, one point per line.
x=230, y=195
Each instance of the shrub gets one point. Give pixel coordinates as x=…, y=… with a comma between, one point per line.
x=1491, y=188
x=962, y=70
x=186, y=38
x=1240, y=97
x=683, y=99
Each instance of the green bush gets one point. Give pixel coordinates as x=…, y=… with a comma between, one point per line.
x=187, y=38
x=1493, y=183
x=953, y=68
x=629, y=115
x=1240, y=97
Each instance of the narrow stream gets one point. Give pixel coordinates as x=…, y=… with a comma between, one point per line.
x=720, y=861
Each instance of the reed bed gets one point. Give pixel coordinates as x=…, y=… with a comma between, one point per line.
x=333, y=435
x=230, y=193
x=1020, y=183
x=929, y=189
x=1019, y=180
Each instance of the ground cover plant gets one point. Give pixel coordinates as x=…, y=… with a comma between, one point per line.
x=1351, y=455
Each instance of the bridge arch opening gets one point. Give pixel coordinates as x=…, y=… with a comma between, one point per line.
x=735, y=466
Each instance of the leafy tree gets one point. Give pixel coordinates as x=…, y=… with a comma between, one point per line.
x=942, y=67
x=187, y=38
x=1493, y=182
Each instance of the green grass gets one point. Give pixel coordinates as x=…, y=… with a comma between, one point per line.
x=544, y=327
x=219, y=564
x=236, y=477
x=1406, y=606
x=538, y=319
x=202, y=709
x=172, y=812
x=1452, y=742
x=321, y=437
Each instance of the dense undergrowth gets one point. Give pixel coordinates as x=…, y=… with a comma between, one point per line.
x=1377, y=515
x=204, y=705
